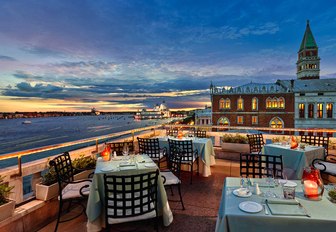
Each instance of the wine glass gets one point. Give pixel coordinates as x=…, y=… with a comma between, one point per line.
x=269, y=177
x=125, y=151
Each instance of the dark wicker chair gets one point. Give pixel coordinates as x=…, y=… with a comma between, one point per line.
x=171, y=132
x=171, y=177
x=255, y=165
x=118, y=146
x=189, y=155
x=69, y=189
x=151, y=147
x=130, y=197
x=256, y=142
x=316, y=141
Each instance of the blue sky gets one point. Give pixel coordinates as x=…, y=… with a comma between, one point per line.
x=126, y=55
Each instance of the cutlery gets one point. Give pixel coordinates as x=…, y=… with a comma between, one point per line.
x=304, y=209
x=265, y=209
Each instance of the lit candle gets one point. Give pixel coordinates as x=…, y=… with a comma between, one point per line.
x=310, y=187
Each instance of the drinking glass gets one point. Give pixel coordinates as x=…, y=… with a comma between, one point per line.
x=269, y=178
x=125, y=151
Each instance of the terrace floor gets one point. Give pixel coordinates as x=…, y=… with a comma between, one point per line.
x=201, y=200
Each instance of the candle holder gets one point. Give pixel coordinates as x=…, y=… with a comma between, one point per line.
x=312, y=184
x=106, y=153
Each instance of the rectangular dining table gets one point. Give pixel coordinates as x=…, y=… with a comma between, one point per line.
x=294, y=160
x=95, y=209
x=205, y=149
x=318, y=216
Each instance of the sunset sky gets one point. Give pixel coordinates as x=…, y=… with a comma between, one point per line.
x=115, y=55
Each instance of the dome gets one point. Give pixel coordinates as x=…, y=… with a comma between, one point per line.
x=163, y=107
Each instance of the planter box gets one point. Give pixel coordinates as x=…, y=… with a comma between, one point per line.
x=7, y=210
x=236, y=147
x=44, y=192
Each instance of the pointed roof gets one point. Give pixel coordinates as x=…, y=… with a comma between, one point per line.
x=308, y=40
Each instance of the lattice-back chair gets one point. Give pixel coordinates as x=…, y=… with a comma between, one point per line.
x=118, y=146
x=200, y=133
x=151, y=147
x=171, y=177
x=316, y=141
x=256, y=165
x=172, y=132
x=68, y=188
x=189, y=155
x=131, y=198
x=256, y=142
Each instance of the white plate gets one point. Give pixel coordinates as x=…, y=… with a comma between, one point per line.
x=290, y=184
x=242, y=192
x=150, y=165
x=107, y=169
x=250, y=206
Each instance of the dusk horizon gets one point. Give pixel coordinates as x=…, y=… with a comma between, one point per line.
x=120, y=56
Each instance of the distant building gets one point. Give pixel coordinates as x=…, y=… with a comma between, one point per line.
x=94, y=111
x=158, y=112
x=203, y=116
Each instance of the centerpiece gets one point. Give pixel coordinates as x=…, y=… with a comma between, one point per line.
x=312, y=183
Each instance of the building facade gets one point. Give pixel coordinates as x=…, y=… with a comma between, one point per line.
x=203, y=116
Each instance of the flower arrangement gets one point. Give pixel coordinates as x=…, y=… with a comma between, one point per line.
x=237, y=138
x=84, y=163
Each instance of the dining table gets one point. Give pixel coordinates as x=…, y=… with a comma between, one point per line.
x=252, y=212
x=128, y=165
x=294, y=160
x=204, y=147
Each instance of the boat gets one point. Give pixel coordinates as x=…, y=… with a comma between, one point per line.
x=26, y=122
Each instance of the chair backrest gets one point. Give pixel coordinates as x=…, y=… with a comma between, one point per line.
x=150, y=147
x=63, y=168
x=256, y=142
x=130, y=195
x=171, y=132
x=256, y=165
x=174, y=161
x=118, y=146
x=316, y=141
x=200, y=133
x=186, y=147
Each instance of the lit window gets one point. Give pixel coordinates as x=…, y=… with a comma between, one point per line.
x=227, y=104
x=254, y=120
x=319, y=110
x=281, y=103
x=329, y=110
x=311, y=110
x=240, y=104
x=254, y=103
x=221, y=104
x=276, y=123
x=275, y=103
x=223, y=122
x=301, y=110
x=240, y=119
x=268, y=102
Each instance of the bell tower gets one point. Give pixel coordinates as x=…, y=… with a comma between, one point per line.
x=308, y=63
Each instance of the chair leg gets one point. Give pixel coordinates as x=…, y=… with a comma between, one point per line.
x=198, y=166
x=60, y=206
x=171, y=190
x=191, y=173
x=179, y=189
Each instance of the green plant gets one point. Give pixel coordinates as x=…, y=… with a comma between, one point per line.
x=84, y=162
x=5, y=190
x=237, y=138
x=49, y=177
x=332, y=194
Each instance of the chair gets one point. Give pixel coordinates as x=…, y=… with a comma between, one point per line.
x=130, y=198
x=316, y=141
x=200, y=133
x=171, y=132
x=171, y=177
x=189, y=155
x=118, y=146
x=255, y=165
x=68, y=188
x=151, y=147
x=256, y=142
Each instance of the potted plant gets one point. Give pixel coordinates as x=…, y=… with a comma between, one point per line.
x=48, y=188
x=235, y=143
x=84, y=166
x=6, y=205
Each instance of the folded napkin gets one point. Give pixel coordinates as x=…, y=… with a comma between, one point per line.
x=286, y=207
x=264, y=184
x=125, y=164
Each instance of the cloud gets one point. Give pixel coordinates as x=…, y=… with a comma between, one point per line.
x=7, y=58
x=42, y=51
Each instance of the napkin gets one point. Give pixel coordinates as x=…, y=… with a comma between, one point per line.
x=286, y=207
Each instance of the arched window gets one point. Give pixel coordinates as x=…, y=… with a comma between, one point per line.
x=272, y=89
x=239, y=90
x=221, y=103
x=269, y=102
x=263, y=89
x=240, y=103
x=254, y=103
x=247, y=89
x=227, y=103
x=311, y=110
x=281, y=103
x=256, y=89
x=275, y=103
x=329, y=108
x=276, y=122
x=223, y=121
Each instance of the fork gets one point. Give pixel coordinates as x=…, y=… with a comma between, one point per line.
x=265, y=209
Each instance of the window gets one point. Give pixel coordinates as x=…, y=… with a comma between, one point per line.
x=227, y=104
x=254, y=103
x=221, y=103
x=268, y=102
x=240, y=119
x=281, y=103
x=301, y=110
x=320, y=110
x=240, y=104
x=254, y=120
x=223, y=122
x=276, y=123
x=329, y=110
x=275, y=103
x=311, y=110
